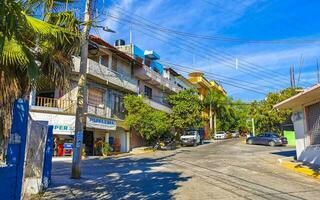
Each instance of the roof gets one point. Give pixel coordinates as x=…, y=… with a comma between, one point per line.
x=172, y=71
x=305, y=97
x=119, y=53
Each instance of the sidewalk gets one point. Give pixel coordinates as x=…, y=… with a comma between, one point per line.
x=302, y=168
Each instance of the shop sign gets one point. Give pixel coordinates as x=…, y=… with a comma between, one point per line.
x=63, y=129
x=62, y=124
x=106, y=124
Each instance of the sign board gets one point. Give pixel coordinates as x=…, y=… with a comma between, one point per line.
x=62, y=124
x=79, y=137
x=100, y=123
x=68, y=145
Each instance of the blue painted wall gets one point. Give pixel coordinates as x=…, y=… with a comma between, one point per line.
x=157, y=66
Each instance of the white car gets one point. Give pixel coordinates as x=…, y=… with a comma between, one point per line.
x=220, y=135
x=191, y=138
x=235, y=134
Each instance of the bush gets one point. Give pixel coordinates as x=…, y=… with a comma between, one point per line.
x=106, y=149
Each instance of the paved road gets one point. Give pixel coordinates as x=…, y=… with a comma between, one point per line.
x=221, y=170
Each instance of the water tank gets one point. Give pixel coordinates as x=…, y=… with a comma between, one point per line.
x=119, y=42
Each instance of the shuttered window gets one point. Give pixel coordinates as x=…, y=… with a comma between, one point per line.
x=313, y=123
x=95, y=96
x=114, y=63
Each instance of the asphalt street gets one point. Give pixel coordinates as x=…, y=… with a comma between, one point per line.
x=226, y=169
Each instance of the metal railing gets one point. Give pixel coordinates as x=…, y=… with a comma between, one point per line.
x=66, y=105
x=105, y=73
x=101, y=111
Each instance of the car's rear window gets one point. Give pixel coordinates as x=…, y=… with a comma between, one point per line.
x=190, y=133
x=219, y=133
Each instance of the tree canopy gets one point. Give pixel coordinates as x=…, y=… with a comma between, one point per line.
x=187, y=110
x=150, y=123
x=33, y=49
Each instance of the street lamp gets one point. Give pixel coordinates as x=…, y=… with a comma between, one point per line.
x=105, y=28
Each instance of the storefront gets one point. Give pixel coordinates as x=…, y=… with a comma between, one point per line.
x=63, y=131
x=104, y=130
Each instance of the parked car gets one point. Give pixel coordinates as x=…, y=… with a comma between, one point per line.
x=235, y=134
x=271, y=139
x=221, y=135
x=191, y=137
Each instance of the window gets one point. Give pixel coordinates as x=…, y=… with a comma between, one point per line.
x=104, y=60
x=147, y=62
x=114, y=63
x=117, y=105
x=95, y=96
x=313, y=123
x=148, y=92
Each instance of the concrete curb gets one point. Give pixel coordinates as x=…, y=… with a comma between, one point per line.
x=299, y=167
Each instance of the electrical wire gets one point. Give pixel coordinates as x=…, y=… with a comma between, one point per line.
x=225, y=62
x=223, y=58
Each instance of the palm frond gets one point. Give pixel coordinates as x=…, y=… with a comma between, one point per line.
x=12, y=53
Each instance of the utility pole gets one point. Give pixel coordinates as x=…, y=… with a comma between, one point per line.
x=82, y=94
x=253, y=127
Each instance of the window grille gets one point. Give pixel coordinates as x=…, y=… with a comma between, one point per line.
x=313, y=123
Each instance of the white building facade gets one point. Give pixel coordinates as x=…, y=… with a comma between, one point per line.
x=306, y=119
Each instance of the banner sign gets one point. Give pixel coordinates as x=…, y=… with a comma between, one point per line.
x=100, y=123
x=62, y=124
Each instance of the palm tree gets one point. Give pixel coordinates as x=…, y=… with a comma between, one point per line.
x=219, y=106
x=32, y=50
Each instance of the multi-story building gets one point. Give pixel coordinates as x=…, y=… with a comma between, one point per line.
x=109, y=79
x=112, y=72
x=203, y=86
x=155, y=81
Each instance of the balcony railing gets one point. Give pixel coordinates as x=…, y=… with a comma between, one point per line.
x=103, y=72
x=158, y=105
x=101, y=111
x=60, y=105
x=156, y=79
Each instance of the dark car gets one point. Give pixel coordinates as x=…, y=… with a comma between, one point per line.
x=271, y=139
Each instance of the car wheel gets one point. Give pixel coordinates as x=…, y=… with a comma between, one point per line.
x=272, y=143
x=250, y=142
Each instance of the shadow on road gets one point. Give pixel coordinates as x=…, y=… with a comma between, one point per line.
x=123, y=178
x=289, y=153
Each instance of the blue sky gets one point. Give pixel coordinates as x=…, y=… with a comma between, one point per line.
x=261, y=67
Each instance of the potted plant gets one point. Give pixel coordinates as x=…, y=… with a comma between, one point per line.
x=106, y=149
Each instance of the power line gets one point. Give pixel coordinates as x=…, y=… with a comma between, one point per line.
x=223, y=59
x=272, y=76
x=230, y=39
x=222, y=55
x=227, y=82
x=210, y=73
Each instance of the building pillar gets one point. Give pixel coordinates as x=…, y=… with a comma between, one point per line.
x=32, y=97
x=107, y=138
x=128, y=141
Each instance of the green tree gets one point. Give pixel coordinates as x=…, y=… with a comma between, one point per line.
x=219, y=107
x=150, y=123
x=266, y=117
x=187, y=110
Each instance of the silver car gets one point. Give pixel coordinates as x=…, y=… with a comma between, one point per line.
x=220, y=135
x=235, y=134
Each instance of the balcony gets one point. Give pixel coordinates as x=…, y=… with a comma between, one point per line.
x=155, y=79
x=54, y=105
x=158, y=105
x=108, y=75
x=100, y=111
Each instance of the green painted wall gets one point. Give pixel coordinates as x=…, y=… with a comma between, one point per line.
x=290, y=135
